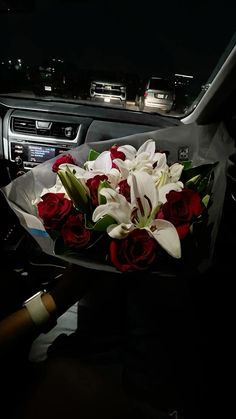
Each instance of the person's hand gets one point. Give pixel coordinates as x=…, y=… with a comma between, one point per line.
x=71, y=287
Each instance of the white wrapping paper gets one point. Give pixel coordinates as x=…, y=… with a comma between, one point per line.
x=205, y=144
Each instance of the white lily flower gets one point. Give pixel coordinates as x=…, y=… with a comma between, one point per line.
x=79, y=172
x=140, y=213
x=120, y=230
x=166, y=235
x=113, y=175
x=124, y=167
x=141, y=162
x=142, y=159
x=161, y=161
x=149, y=146
x=116, y=206
x=103, y=163
x=145, y=159
x=144, y=198
x=128, y=150
x=161, y=178
x=175, y=172
x=163, y=174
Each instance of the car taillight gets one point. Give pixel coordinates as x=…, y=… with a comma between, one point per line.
x=146, y=93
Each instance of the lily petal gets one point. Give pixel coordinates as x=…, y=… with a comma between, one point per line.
x=128, y=150
x=175, y=172
x=114, y=177
x=102, y=163
x=166, y=235
x=165, y=189
x=123, y=167
x=117, y=207
x=143, y=193
x=119, y=231
x=149, y=146
x=160, y=158
x=79, y=172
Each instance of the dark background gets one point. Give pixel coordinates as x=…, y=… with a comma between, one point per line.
x=145, y=37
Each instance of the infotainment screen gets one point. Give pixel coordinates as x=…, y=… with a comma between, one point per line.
x=39, y=154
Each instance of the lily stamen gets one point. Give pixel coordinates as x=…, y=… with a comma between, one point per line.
x=149, y=203
x=140, y=206
x=134, y=215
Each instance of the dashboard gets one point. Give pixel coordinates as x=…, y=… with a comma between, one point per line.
x=34, y=131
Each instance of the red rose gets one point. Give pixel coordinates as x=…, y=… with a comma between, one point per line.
x=181, y=209
x=53, y=209
x=74, y=232
x=124, y=189
x=136, y=252
x=93, y=184
x=116, y=154
x=63, y=159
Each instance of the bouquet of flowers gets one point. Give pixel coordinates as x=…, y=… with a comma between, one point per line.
x=125, y=207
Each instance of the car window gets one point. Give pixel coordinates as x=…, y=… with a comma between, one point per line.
x=57, y=49
x=160, y=84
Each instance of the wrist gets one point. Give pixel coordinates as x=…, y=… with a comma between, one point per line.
x=70, y=288
x=41, y=309
x=49, y=303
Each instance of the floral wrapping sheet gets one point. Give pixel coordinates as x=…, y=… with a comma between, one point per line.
x=196, y=145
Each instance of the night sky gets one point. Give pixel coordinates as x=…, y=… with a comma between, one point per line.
x=156, y=37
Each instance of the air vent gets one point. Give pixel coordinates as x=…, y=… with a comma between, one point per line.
x=63, y=130
x=24, y=125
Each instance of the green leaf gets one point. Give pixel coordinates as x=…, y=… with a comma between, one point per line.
x=103, y=223
x=193, y=181
x=205, y=200
x=102, y=184
x=74, y=189
x=202, y=184
x=191, y=229
x=202, y=179
x=187, y=164
x=93, y=154
x=204, y=170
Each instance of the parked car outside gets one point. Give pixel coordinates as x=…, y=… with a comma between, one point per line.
x=109, y=92
x=158, y=93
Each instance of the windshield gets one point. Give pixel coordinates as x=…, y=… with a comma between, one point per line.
x=104, y=53
x=160, y=84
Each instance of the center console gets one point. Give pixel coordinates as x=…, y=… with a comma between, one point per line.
x=28, y=154
x=30, y=138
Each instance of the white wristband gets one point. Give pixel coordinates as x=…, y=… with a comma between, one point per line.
x=37, y=309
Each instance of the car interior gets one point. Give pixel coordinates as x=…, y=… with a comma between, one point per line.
x=34, y=130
